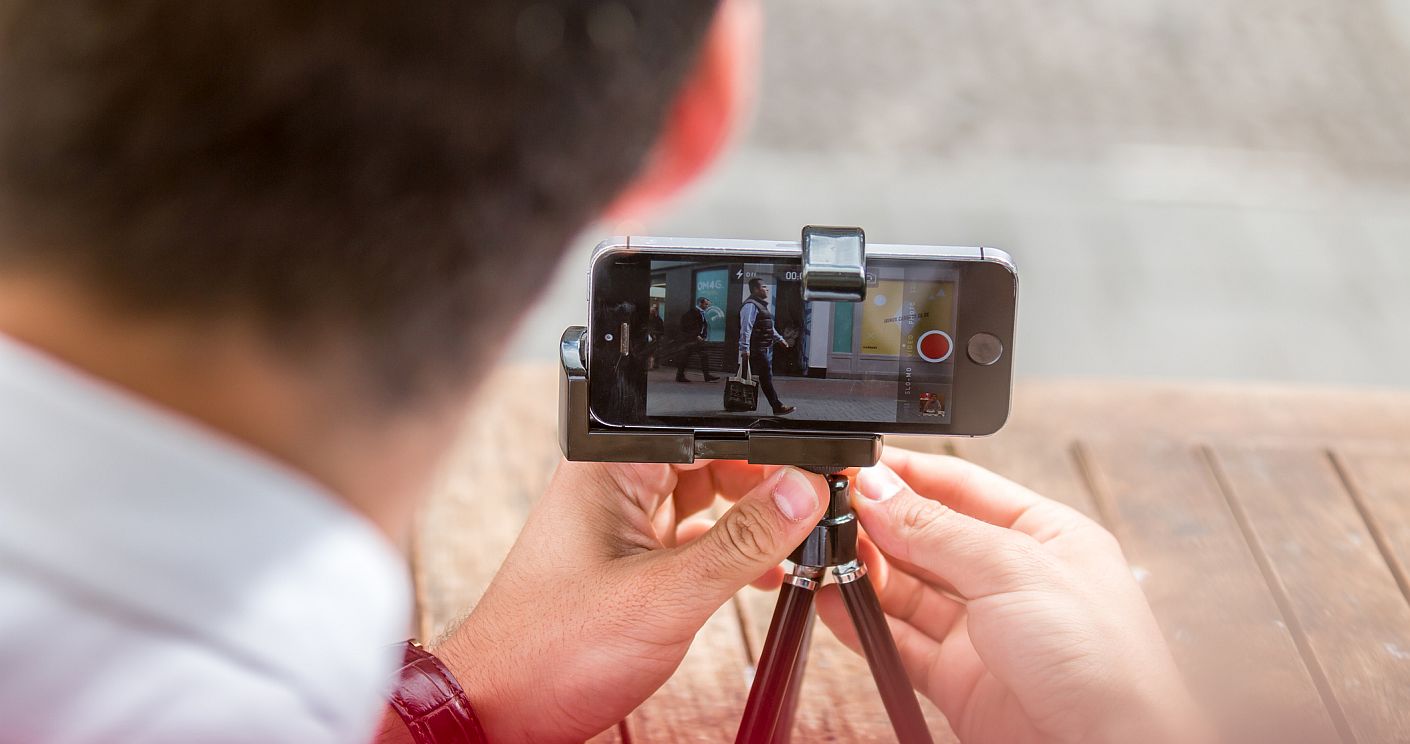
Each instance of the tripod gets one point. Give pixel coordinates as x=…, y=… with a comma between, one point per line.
x=773, y=698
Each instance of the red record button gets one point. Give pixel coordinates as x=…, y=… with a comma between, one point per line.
x=935, y=346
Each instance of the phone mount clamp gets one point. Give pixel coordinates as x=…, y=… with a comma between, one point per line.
x=834, y=270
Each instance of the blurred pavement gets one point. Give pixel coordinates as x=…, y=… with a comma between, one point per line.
x=1190, y=190
x=816, y=400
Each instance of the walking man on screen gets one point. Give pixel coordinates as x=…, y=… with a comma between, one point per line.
x=694, y=332
x=757, y=335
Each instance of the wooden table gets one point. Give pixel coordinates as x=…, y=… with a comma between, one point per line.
x=1269, y=527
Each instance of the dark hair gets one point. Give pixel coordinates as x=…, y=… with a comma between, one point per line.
x=402, y=175
x=699, y=300
x=755, y=282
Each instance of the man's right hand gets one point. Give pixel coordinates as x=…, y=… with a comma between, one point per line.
x=608, y=584
x=1016, y=615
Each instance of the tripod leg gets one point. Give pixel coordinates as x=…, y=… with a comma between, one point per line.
x=777, y=660
x=882, y=656
x=788, y=709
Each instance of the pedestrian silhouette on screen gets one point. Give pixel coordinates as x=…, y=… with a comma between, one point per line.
x=694, y=330
x=757, y=336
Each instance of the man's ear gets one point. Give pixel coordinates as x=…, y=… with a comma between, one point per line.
x=711, y=102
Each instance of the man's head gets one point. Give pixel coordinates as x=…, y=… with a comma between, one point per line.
x=391, y=178
x=758, y=289
x=703, y=303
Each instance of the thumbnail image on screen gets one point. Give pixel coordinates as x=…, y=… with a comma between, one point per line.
x=889, y=358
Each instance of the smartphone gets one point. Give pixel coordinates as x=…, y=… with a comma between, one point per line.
x=675, y=322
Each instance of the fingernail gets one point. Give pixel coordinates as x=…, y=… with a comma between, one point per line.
x=795, y=495
x=879, y=483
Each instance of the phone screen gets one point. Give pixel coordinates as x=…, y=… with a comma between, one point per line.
x=690, y=340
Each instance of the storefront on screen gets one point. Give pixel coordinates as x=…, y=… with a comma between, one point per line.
x=900, y=322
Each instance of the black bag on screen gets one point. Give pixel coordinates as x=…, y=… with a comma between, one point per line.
x=742, y=390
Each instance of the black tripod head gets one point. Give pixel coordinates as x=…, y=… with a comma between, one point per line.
x=833, y=542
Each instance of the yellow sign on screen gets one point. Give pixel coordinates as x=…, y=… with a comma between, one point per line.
x=881, y=333
x=885, y=309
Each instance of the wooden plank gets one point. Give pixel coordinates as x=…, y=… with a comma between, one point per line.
x=1378, y=478
x=1344, y=605
x=1207, y=590
x=1218, y=618
x=838, y=700
x=703, y=700
x=1082, y=408
x=1043, y=463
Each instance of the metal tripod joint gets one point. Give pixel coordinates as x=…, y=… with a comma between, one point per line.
x=805, y=577
x=849, y=571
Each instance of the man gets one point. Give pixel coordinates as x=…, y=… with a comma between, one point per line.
x=254, y=256
x=694, y=330
x=757, y=336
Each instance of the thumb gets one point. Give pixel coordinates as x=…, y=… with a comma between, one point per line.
x=975, y=557
x=752, y=537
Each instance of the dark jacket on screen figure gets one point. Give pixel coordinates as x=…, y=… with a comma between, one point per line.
x=693, y=324
x=756, y=326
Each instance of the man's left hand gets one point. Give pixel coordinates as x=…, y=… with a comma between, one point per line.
x=608, y=583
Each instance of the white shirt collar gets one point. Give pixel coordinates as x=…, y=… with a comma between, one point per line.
x=153, y=515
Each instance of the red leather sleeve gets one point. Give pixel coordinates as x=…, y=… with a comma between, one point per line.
x=431, y=703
